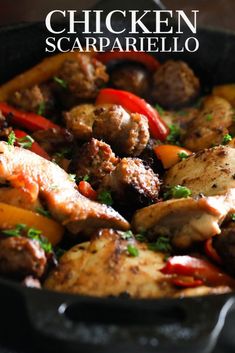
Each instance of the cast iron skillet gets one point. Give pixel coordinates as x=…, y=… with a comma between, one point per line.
x=84, y=324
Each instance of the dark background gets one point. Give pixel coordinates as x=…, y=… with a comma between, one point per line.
x=216, y=13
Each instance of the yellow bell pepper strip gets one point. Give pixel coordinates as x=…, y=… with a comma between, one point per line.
x=169, y=155
x=10, y=216
x=42, y=72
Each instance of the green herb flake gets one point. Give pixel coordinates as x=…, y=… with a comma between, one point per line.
x=11, y=139
x=226, y=139
x=61, y=82
x=15, y=232
x=208, y=117
x=161, y=244
x=182, y=155
x=41, y=108
x=160, y=110
x=177, y=192
x=233, y=217
x=174, y=135
x=127, y=235
x=63, y=153
x=25, y=142
x=72, y=177
x=132, y=250
x=43, y=212
x=141, y=238
x=105, y=197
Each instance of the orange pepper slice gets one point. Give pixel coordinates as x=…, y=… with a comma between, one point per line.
x=169, y=155
x=10, y=216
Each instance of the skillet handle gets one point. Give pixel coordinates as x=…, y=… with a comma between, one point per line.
x=79, y=324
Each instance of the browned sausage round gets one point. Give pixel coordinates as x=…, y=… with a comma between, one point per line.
x=175, y=84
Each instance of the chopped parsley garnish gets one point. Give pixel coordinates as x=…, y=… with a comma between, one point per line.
x=43, y=212
x=63, y=153
x=86, y=178
x=41, y=108
x=11, y=138
x=183, y=155
x=174, y=135
x=140, y=237
x=159, y=109
x=31, y=233
x=105, y=197
x=61, y=82
x=127, y=235
x=132, y=250
x=161, y=244
x=226, y=139
x=177, y=192
x=233, y=217
x=208, y=117
x=25, y=142
x=72, y=177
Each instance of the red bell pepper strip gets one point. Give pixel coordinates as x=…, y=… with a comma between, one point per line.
x=30, y=121
x=198, y=268
x=86, y=190
x=186, y=282
x=211, y=252
x=147, y=60
x=135, y=104
x=36, y=148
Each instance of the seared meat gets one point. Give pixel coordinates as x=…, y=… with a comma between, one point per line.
x=131, y=77
x=53, y=139
x=175, y=84
x=95, y=159
x=79, y=120
x=186, y=220
x=84, y=76
x=132, y=183
x=20, y=256
x=149, y=157
x=55, y=186
x=224, y=243
x=126, y=133
x=210, y=173
x=210, y=125
x=31, y=99
x=104, y=267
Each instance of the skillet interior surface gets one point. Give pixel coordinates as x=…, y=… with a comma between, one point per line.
x=104, y=325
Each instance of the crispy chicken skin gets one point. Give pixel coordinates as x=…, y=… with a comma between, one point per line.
x=53, y=184
x=104, y=267
x=20, y=256
x=210, y=125
x=209, y=173
x=127, y=133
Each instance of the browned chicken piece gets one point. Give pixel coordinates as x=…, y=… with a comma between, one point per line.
x=38, y=99
x=84, y=76
x=94, y=159
x=131, y=77
x=18, y=198
x=224, y=244
x=175, y=84
x=127, y=133
x=209, y=173
x=79, y=120
x=182, y=117
x=210, y=125
x=56, y=188
x=104, y=267
x=53, y=139
x=132, y=183
x=20, y=256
